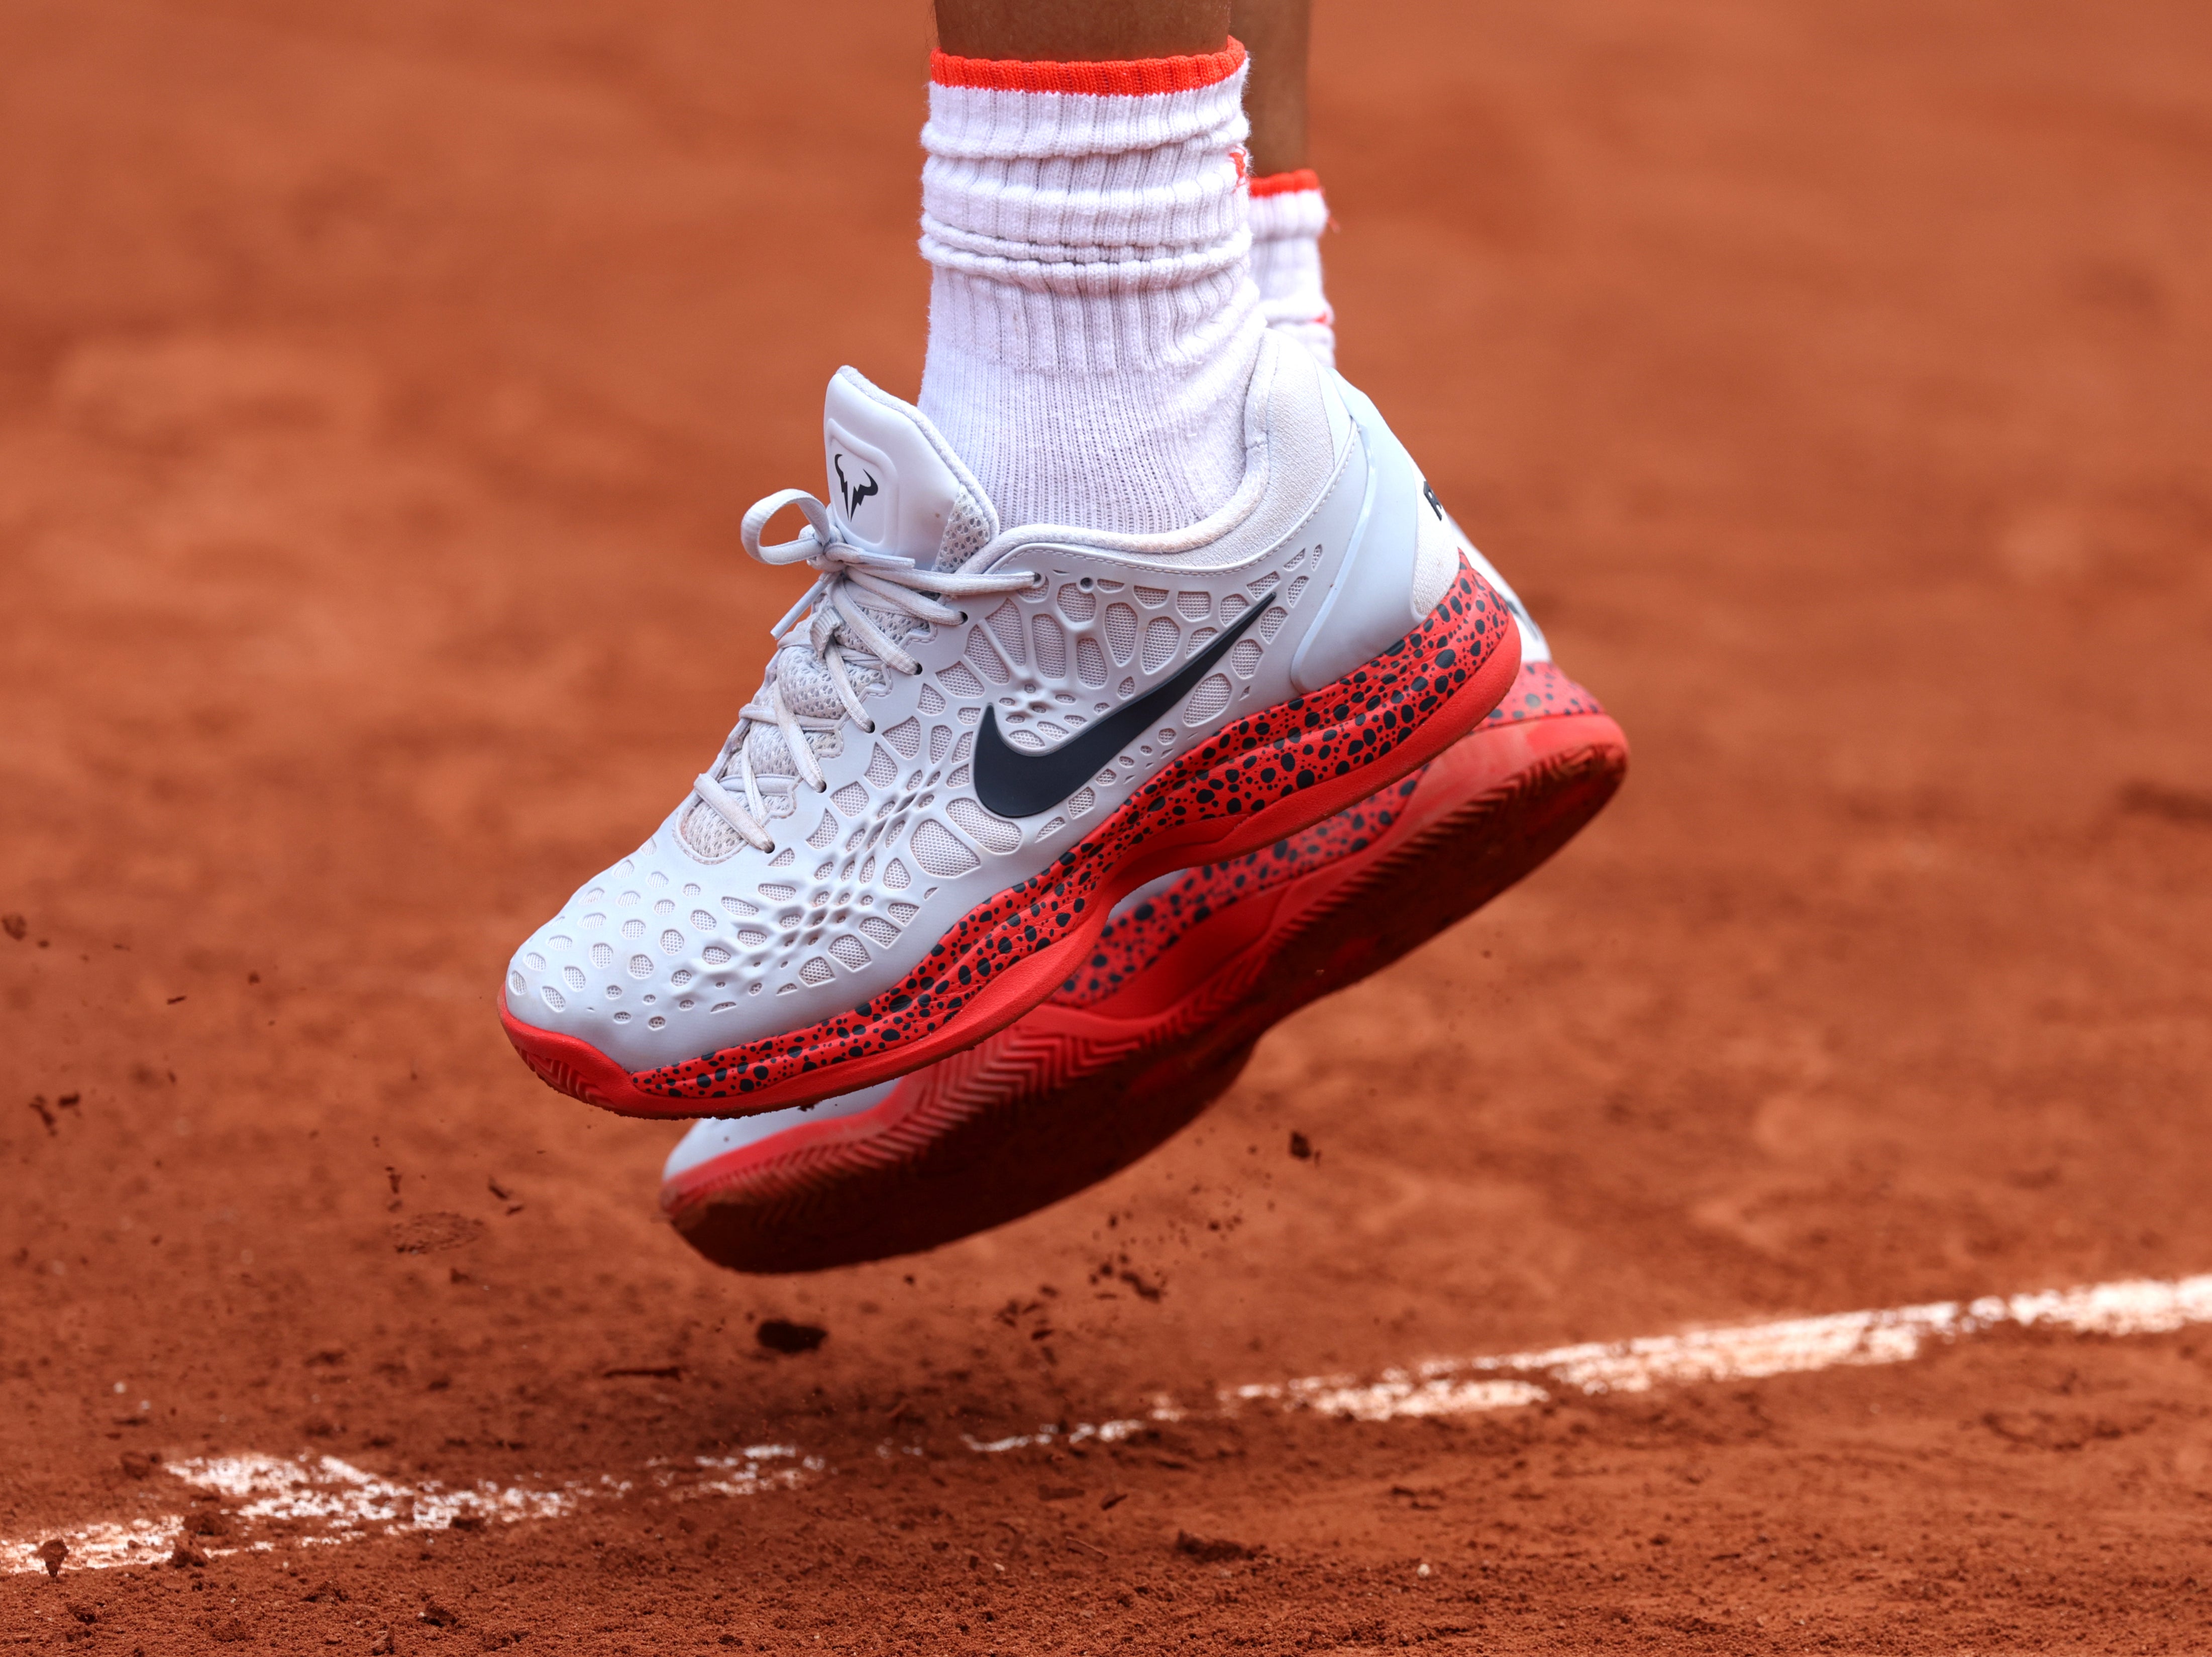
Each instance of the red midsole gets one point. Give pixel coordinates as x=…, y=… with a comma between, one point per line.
x=737, y=1083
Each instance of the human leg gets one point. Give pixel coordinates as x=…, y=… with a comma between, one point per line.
x=1278, y=35
x=1081, y=31
x=1288, y=213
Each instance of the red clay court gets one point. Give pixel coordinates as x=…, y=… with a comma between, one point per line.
x=380, y=389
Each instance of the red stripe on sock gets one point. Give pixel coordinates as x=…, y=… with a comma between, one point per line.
x=1287, y=184
x=1131, y=78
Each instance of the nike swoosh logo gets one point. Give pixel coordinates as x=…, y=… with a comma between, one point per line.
x=1017, y=782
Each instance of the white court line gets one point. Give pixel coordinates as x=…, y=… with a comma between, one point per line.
x=308, y=1500
x=1744, y=1352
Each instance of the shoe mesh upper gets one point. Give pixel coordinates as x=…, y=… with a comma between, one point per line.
x=696, y=923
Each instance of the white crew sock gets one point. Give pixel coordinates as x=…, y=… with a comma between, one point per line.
x=1288, y=215
x=1092, y=321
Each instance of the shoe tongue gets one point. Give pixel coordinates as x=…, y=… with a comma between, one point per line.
x=890, y=489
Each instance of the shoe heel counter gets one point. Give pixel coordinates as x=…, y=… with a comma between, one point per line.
x=1401, y=560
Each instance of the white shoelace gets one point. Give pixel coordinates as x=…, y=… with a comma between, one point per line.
x=845, y=572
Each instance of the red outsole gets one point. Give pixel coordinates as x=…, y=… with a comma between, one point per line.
x=1070, y=1095
x=1258, y=779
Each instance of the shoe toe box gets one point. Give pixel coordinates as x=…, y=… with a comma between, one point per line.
x=647, y=962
